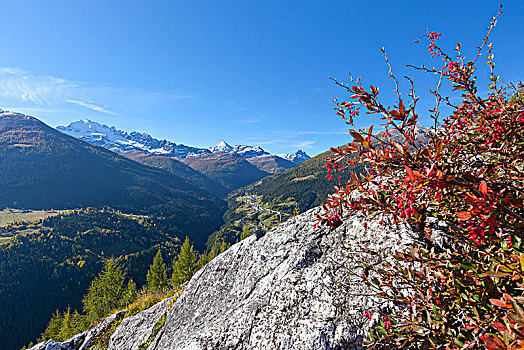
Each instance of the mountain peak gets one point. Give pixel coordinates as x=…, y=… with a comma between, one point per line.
x=121, y=141
x=298, y=157
x=7, y=115
x=222, y=146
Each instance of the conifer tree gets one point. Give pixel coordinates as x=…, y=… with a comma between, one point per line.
x=245, y=232
x=205, y=258
x=131, y=293
x=79, y=323
x=157, y=275
x=185, y=264
x=105, y=292
x=66, y=328
x=53, y=327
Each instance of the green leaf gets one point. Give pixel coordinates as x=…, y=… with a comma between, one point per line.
x=468, y=266
x=496, y=274
x=458, y=342
x=517, y=308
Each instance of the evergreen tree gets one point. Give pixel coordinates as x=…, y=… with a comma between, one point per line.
x=131, y=293
x=66, y=329
x=53, y=327
x=185, y=264
x=205, y=258
x=157, y=275
x=223, y=247
x=245, y=232
x=79, y=322
x=105, y=292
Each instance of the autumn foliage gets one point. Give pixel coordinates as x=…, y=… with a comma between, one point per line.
x=466, y=184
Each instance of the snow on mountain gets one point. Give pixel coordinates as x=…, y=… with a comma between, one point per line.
x=297, y=157
x=121, y=141
x=222, y=146
x=242, y=150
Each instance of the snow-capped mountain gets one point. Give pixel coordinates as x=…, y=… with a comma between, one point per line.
x=242, y=150
x=222, y=146
x=297, y=157
x=121, y=141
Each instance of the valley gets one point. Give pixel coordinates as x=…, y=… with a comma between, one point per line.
x=87, y=204
x=255, y=175
x=137, y=200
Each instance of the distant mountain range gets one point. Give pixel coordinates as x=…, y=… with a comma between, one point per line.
x=121, y=141
x=226, y=167
x=42, y=168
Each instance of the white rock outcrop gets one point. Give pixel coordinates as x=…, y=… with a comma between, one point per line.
x=286, y=290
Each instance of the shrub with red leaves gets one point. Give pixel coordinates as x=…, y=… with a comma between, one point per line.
x=470, y=176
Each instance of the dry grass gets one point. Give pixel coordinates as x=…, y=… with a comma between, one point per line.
x=8, y=216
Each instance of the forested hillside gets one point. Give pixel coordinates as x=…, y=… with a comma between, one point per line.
x=42, y=168
x=305, y=185
x=51, y=269
x=273, y=199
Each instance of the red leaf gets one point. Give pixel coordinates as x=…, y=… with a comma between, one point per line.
x=483, y=187
x=499, y=326
x=398, y=147
x=464, y=215
x=401, y=107
x=492, y=342
x=356, y=135
x=500, y=303
x=409, y=172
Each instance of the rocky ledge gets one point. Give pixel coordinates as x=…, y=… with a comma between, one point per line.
x=286, y=290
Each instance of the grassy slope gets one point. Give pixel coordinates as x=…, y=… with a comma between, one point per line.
x=11, y=215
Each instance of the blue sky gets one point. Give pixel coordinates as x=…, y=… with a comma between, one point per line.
x=247, y=72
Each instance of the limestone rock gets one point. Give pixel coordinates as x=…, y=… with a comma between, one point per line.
x=286, y=290
x=135, y=330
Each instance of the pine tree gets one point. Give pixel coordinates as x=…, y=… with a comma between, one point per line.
x=185, y=265
x=157, y=275
x=53, y=327
x=131, y=293
x=245, y=232
x=66, y=328
x=79, y=322
x=224, y=246
x=205, y=258
x=105, y=292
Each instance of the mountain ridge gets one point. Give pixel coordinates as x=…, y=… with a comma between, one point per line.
x=121, y=141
